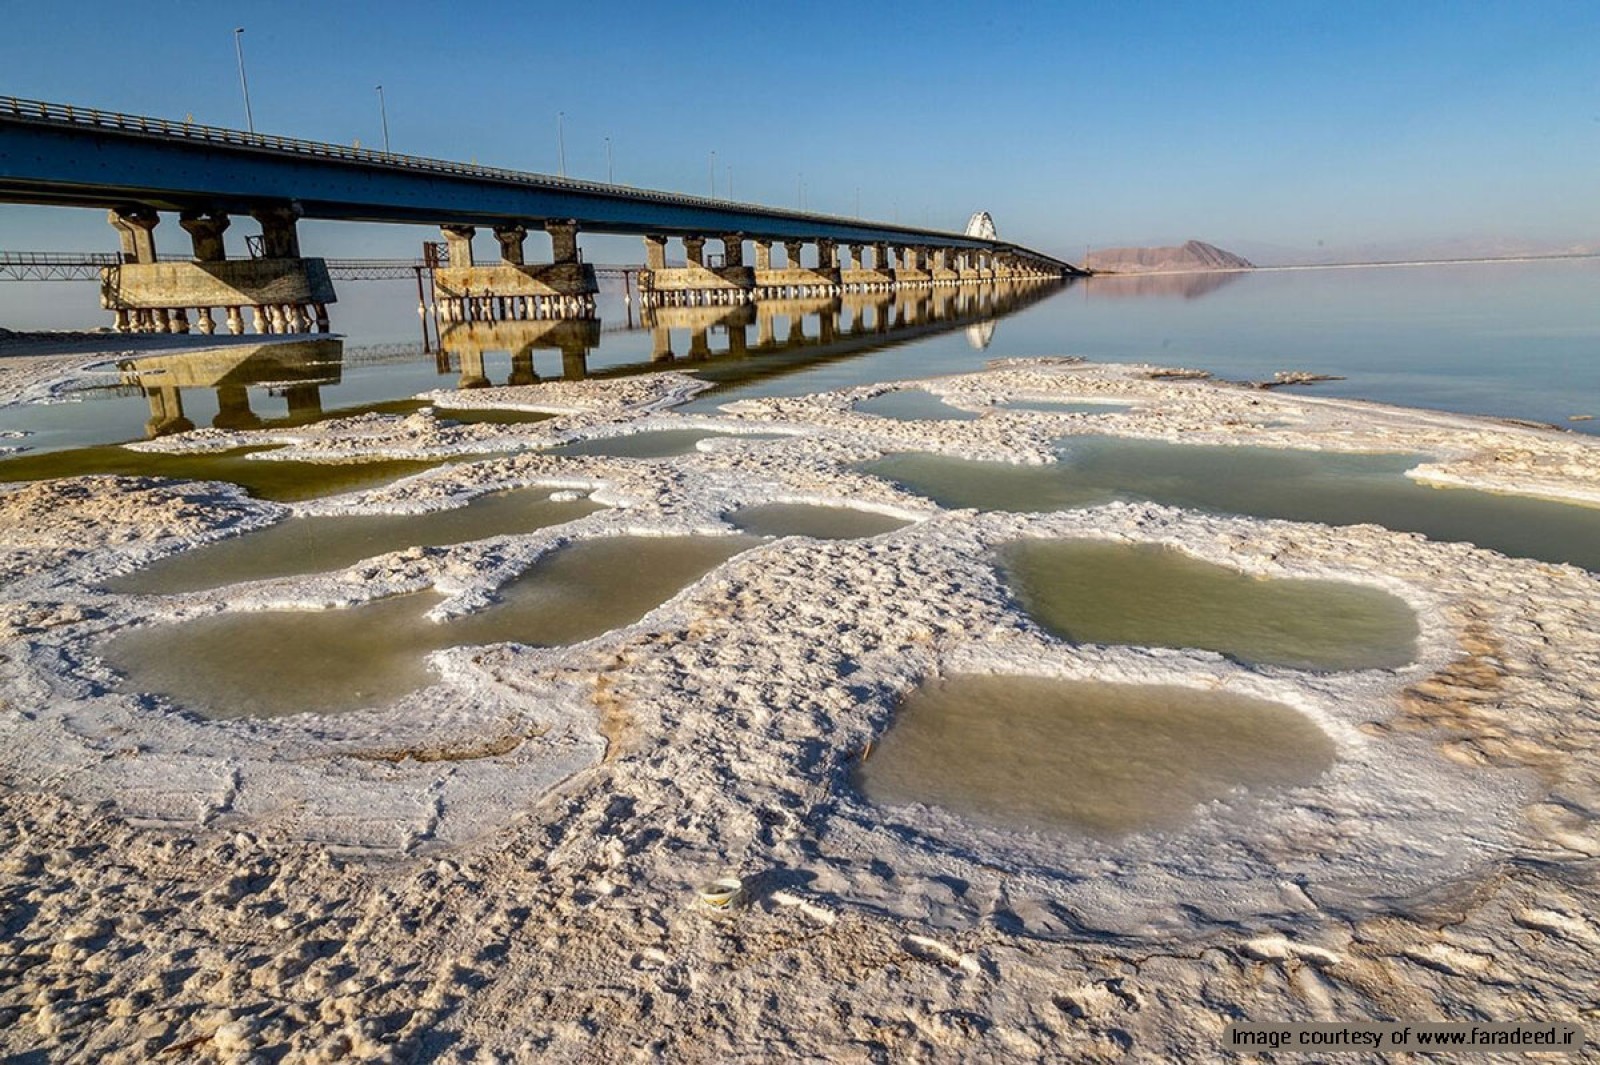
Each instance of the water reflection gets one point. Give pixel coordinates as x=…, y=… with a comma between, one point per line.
x=296, y=371
x=1189, y=286
x=730, y=344
x=462, y=346
x=283, y=384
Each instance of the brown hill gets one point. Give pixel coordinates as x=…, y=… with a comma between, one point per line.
x=1194, y=255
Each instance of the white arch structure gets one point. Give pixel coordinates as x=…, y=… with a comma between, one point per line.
x=980, y=225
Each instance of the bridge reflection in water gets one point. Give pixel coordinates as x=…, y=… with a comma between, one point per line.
x=727, y=345
x=738, y=343
x=296, y=370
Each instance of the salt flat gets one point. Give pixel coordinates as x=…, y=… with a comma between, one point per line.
x=503, y=865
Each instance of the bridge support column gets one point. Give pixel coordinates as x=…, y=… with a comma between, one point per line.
x=655, y=253
x=511, y=240
x=514, y=289
x=458, y=244
x=763, y=254
x=136, y=228
x=205, y=233
x=280, y=239
x=695, y=284
x=279, y=286
x=792, y=249
x=563, y=242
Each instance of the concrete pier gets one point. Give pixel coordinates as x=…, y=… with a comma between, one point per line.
x=514, y=289
x=283, y=292
x=796, y=279
x=722, y=281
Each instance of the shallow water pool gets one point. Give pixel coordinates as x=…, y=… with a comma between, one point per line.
x=817, y=522
x=277, y=662
x=1334, y=489
x=1087, y=757
x=1093, y=591
x=914, y=405
x=320, y=544
x=279, y=479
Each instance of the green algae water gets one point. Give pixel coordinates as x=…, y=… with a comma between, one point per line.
x=817, y=522
x=1086, y=757
x=1313, y=486
x=277, y=662
x=320, y=544
x=1091, y=591
x=282, y=480
x=913, y=405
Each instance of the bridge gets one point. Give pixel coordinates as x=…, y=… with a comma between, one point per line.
x=137, y=167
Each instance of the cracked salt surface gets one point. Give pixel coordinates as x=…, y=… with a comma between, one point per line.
x=569, y=799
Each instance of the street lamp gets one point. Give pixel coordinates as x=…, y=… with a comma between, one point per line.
x=383, y=109
x=712, y=171
x=238, y=48
x=610, y=180
x=561, y=140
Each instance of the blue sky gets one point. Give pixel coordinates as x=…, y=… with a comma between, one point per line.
x=1283, y=123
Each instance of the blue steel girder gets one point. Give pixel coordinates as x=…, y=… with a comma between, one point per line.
x=52, y=155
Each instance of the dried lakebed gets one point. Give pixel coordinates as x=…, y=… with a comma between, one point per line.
x=504, y=861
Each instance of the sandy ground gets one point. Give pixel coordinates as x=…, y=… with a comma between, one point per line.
x=503, y=866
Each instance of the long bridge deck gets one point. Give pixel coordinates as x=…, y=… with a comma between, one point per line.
x=84, y=157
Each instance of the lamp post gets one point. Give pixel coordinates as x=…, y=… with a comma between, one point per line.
x=383, y=110
x=238, y=48
x=712, y=171
x=561, y=141
x=610, y=180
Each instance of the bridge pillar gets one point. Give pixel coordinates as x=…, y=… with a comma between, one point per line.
x=826, y=258
x=763, y=254
x=655, y=253
x=280, y=239
x=514, y=289
x=696, y=284
x=563, y=241
x=458, y=243
x=279, y=286
x=136, y=228
x=792, y=249
x=880, y=257
x=205, y=233
x=511, y=240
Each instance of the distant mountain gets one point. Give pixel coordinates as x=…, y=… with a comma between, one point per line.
x=1192, y=255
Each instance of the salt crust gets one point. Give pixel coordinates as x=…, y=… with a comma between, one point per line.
x=502, y=863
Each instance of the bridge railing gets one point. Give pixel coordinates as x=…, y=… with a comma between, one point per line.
x=42, y=111
x=52, y=258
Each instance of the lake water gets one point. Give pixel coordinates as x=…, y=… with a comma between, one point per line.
x=1511, y=339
